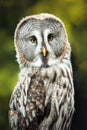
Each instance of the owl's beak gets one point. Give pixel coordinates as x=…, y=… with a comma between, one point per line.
x=44, y=52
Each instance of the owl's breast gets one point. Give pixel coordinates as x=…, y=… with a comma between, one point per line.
x=27, y=101
x=36, y=99
x=37, y=92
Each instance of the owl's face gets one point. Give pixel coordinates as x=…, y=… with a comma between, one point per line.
x=41, y=40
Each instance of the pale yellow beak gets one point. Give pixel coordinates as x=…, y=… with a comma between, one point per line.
x=44, y=52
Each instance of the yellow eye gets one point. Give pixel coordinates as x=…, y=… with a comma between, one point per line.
x=33, y=39
x=50, y=37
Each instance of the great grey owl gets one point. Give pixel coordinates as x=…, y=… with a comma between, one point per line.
x=43, y=98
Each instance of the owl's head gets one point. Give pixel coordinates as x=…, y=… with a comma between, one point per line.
x=41, y=41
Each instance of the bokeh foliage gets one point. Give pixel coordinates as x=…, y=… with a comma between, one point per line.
x=74, y=15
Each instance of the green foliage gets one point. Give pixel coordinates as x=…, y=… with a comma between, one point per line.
x=74, y=15
x=7, y=64
x=8, y=75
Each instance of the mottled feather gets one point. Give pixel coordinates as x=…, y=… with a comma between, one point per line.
x=43, y=98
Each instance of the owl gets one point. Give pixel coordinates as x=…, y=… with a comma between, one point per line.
x=43, y=98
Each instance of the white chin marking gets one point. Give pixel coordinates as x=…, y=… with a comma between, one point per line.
x=37, y=63
x=52, y=62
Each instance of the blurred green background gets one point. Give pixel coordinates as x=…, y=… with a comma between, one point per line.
x=74, y=15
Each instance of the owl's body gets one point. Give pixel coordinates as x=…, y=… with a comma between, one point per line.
x=43, y=98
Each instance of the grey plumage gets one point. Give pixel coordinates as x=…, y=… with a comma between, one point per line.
x=43, y=98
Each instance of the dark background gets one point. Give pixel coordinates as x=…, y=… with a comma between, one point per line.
x=74, y=15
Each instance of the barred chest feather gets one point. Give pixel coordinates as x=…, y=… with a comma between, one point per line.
x=42, y=100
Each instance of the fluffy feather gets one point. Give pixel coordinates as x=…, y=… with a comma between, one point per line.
x=43, y=98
